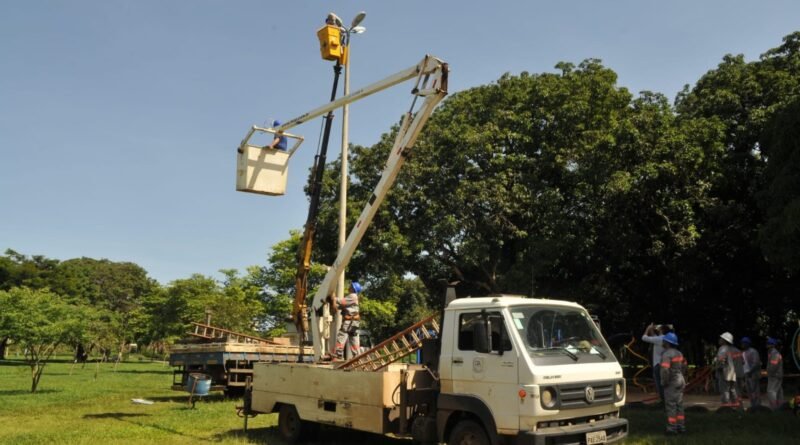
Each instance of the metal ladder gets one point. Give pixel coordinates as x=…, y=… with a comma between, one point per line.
x=212, y=332
x=394, y=348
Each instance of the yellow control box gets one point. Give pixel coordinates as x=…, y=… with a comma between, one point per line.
x=330, y=42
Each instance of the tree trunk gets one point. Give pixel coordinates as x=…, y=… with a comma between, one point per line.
x=36, y=375
x=3, y=344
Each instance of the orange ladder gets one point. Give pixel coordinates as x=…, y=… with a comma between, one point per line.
x=393, y=349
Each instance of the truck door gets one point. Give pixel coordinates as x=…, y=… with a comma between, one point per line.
x=491, y=377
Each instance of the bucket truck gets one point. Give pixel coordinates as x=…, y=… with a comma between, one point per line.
x=500, y=370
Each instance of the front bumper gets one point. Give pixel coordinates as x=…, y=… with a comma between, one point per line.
x=615, y=429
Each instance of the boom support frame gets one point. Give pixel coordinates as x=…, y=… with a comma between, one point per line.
x=431, y=85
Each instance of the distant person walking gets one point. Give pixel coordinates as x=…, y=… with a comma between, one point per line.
x=752, y=371
x=655, y=336
x=774, y=374
x=673, y=378
x=726, y=370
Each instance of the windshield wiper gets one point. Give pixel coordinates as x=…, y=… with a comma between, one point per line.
x=599, y=352
x=571, y=354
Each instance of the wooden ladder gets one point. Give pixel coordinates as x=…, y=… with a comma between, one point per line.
x=395, y=348
x=212, y=332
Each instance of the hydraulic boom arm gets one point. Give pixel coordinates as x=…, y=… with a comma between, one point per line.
x=427, y=67
x=432, y=87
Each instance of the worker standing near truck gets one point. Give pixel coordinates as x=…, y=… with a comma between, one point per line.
x=774, y=374
x=752, y=371
x=655, y=336
x=351, y=320
x=673, y=371
x=726, y=370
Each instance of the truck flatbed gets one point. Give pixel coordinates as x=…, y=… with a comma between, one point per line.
x=366, y=401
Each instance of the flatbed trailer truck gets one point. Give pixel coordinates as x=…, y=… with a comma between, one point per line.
x=230, y=363
x=227, y=364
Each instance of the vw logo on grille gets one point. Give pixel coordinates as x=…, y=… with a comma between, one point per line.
x=589, y=393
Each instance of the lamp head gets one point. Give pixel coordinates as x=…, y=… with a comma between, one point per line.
x=334, y=19
x=359, y=17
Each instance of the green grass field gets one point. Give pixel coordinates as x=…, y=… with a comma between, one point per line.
x=74, y=407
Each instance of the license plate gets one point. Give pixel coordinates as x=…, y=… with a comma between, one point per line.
x=595, y=437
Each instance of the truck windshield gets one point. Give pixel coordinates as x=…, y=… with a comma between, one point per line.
x=558, y=335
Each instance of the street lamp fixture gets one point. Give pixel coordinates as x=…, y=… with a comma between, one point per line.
x=358, y=18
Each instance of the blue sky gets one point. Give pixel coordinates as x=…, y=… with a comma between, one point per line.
x=119, y=119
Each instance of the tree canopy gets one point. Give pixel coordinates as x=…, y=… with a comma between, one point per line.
x=567, y=185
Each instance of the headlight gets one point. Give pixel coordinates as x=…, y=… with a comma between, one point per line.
x=548, y=398
x=619, y=389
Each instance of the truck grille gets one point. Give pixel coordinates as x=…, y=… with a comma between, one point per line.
x=574, y=395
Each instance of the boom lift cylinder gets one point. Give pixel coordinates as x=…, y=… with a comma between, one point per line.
x=300, y=308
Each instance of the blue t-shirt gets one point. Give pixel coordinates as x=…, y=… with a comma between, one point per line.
x=282, y=143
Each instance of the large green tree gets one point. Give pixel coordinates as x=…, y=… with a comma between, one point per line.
x=39, y=321
x=116, y=290
x=739, y=277
x=556, y=184
x=16, y=270
x=780, y=197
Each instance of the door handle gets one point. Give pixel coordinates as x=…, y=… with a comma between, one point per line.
x=458, y=360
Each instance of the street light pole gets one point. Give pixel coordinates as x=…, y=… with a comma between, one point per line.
x=344, y=166
x=354, y=28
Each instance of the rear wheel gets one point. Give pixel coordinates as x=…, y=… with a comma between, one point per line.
x=468, y=432
x=292, y=428
x=289, y=424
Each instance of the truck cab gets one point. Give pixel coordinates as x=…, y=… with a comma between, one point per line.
x=527, y=371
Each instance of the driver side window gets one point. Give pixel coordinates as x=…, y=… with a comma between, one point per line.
x=467, y=322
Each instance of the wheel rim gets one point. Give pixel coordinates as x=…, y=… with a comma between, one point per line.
x=470, y=438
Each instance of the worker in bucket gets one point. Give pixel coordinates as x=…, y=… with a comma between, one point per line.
x=752, y=371
x=726, y=370
x=280, y=142
x=673, y=379
x=348, y=332
x=774, y=374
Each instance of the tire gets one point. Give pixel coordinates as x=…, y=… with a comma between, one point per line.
x=294, y=429
x=468, y=432
x=290, y=426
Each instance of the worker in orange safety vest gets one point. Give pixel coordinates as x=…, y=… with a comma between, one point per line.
x=752, y=371
x=725, y=365
x=774, y=374
x=673, y=378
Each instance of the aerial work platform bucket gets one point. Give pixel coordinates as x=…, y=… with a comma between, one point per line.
x=261, y=169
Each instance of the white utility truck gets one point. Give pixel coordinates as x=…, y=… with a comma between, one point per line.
x=505, y=369
x=501, y=369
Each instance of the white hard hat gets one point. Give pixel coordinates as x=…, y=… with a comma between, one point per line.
x=727, y=336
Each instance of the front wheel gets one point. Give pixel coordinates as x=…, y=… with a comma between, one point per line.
x=468, y=432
